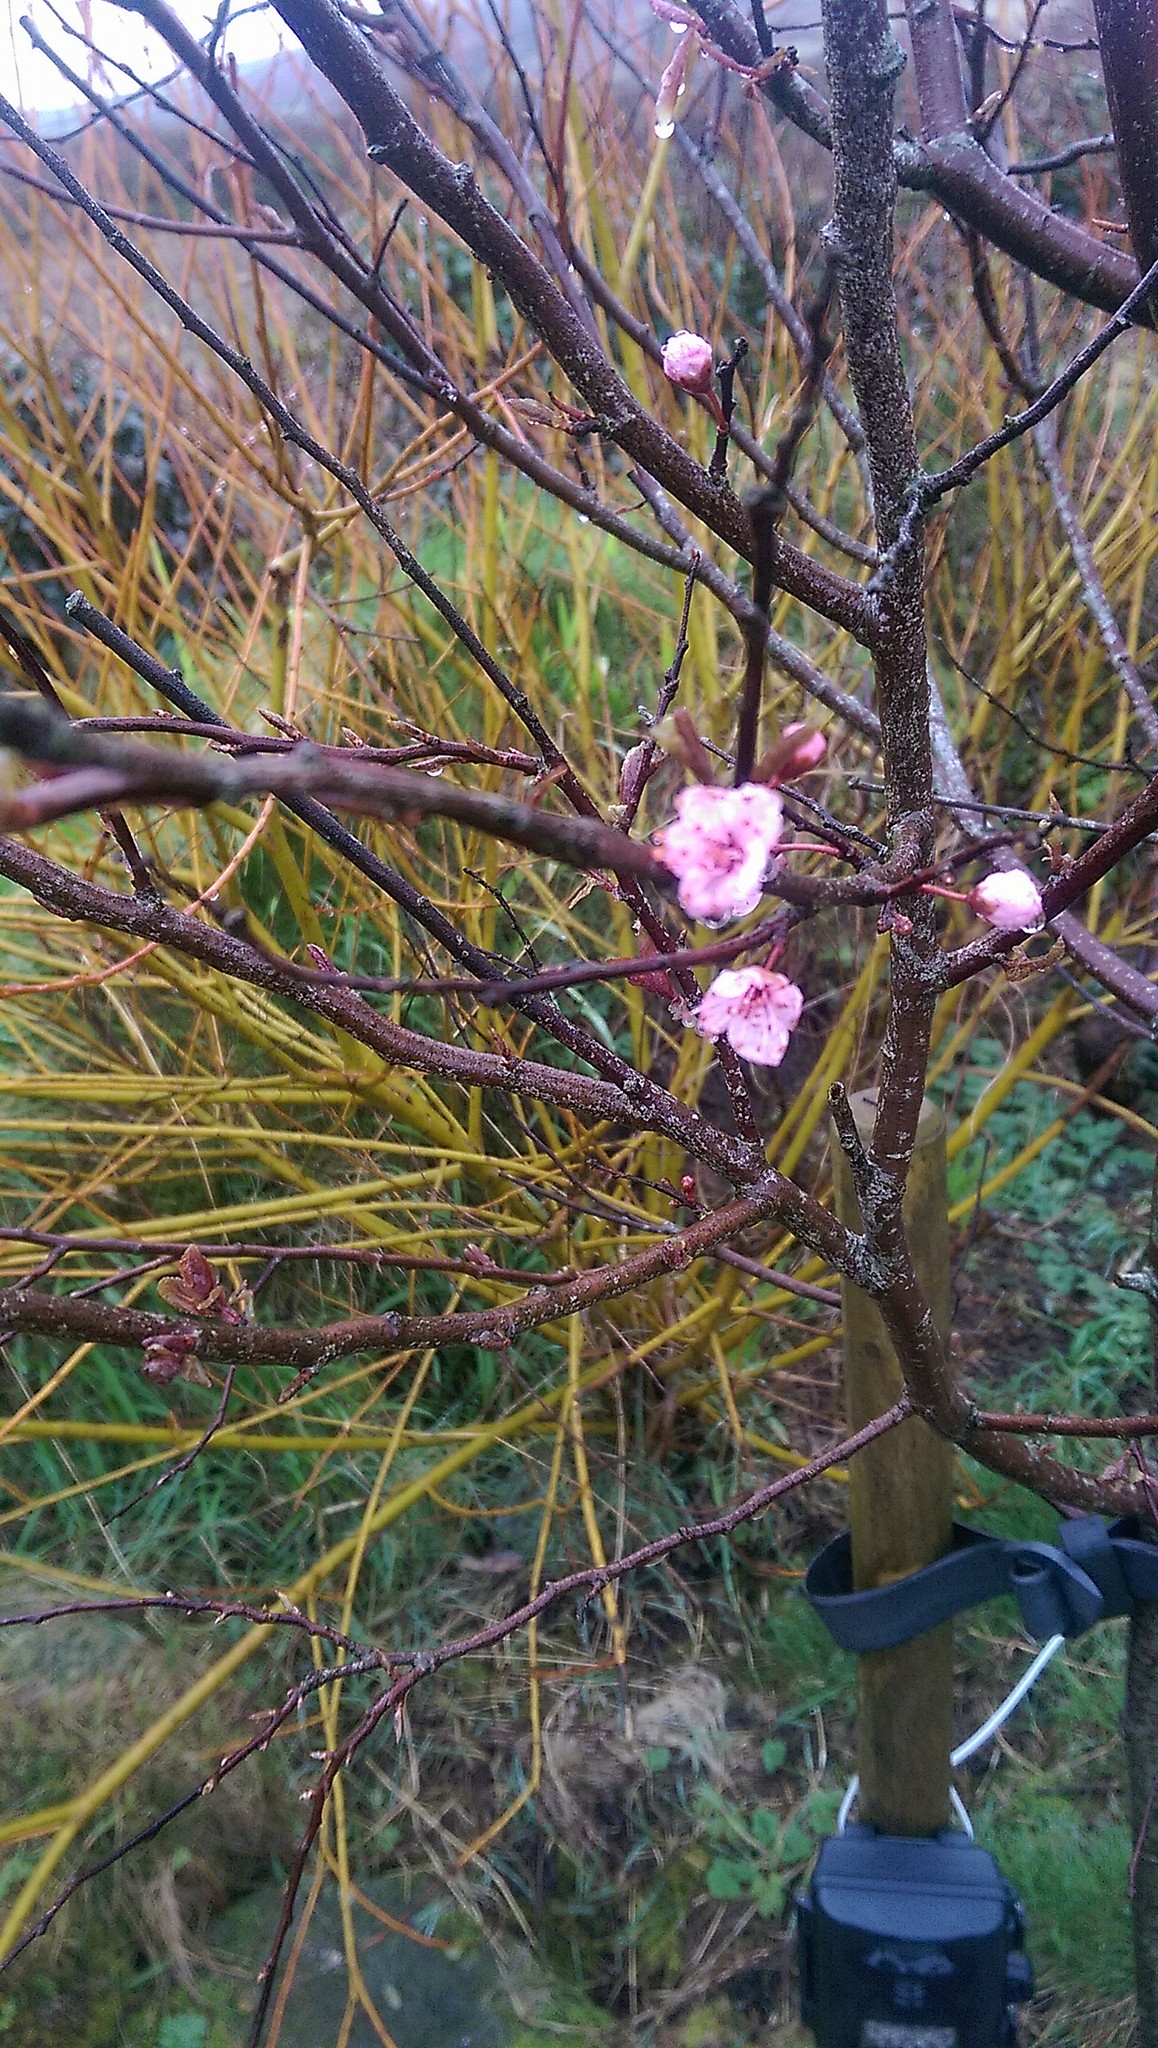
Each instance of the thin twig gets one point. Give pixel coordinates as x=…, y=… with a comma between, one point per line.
x=1060, y=159
x=188, y=1457
x=1045, y=441
x=587, y=1583
x=930, y=489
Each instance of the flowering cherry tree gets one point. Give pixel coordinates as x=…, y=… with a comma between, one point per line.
x=715, y=811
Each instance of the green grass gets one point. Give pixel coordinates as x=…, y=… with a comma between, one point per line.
x=1073, y=1218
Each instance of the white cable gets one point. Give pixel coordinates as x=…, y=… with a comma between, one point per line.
x=972, y=1742
x=1012, y=1699
x=849, y=1801
x=958, y=1806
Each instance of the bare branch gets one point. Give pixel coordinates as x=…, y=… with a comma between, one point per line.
x=1045, y=440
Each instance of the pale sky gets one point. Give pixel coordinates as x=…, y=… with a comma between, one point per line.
x=33, y=82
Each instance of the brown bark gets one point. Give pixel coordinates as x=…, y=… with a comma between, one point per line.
x=1128, y=34
x=1141, y=1733
x=950, y=163
x=1140, y=1729
x=900, y=1508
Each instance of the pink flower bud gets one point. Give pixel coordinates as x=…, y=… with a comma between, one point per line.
x=689, y=363
x=808, y=752
x=673, y=85
x=656, y=981
x=755, y=1010
x=720, y=848
x=638, y=763
x=1011, y=902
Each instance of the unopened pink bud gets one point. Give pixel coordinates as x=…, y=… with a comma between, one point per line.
x=688, y=361
x=808, y=752
x=673, y=85
x=1010, y=902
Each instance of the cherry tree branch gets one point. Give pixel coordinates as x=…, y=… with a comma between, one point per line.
x=344, y=55
x=929, y=489
x=93, y=771
x=948, y=162
x=1128, y=41
x=1045, y=441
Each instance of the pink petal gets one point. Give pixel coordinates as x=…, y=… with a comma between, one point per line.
x=720, y=846
x=687, y=358
x=755, y=1009
x=1010, y=902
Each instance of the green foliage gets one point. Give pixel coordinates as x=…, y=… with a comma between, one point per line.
x=1068, y=1866
x=757, y=1853
x=183, y=2030
x=1077, y=1213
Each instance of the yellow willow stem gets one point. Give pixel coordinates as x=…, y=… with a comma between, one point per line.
x=76, y=1582
x=285, y=1039
x=64, y=1370
x=103, y=1788
x=535, y=1774
x=86, y=1487
x=629, y=262
x=386, y=1465
x=590, y=1516
x=11, y=1424
x=712, y=1311
x=703, y=646
x=700, y=1390
x=958, y=1040
x=579, y=600
x=240, y=1437
x=727, y=1391
x=30, y=1828
x=1129, y=1117
x=781, y=1455
x=330, y=1698
x=783, y=1359
x=287, y=1208
x=1054, y=1021
x=1092, y=911
x=1045, y=1138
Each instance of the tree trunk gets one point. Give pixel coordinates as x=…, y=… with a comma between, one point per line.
x=1140, y=1729
x=1141, y=1732
x=1128, y=35
x=901, y=1510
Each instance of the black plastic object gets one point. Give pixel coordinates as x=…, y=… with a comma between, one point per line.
x=1091, y=1574
x=910, y=1942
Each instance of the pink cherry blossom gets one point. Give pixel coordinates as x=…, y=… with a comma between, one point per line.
x=1011, y=902
x=755, y=1010
x=720, y=846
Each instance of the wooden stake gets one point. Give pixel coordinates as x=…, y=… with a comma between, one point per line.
x=901, y=1511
